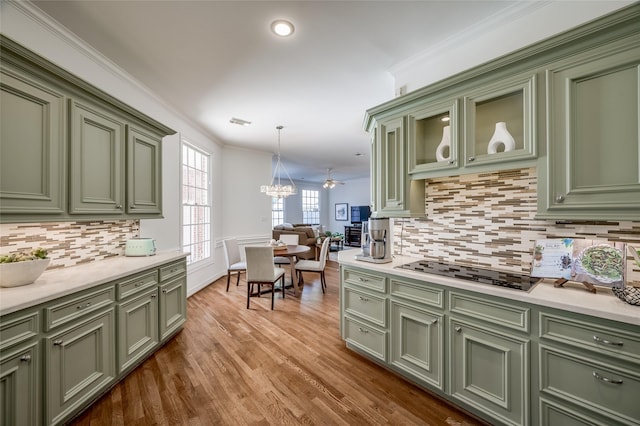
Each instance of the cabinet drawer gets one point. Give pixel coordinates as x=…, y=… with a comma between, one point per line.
x=365, y=306
x=137, y=284
x=417, y=292
x=366, y=338
x=64, y=310
x=554, y=414
x=173, y=270
x=363, y=279
x=19, y=327
x=604, y=388
x=618, y=343
x=510, y=316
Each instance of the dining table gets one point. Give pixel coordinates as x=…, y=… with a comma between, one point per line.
x=292, y=252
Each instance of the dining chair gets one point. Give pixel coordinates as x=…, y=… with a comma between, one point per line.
x=260, y=270
x=233, y=259
x=315, y=265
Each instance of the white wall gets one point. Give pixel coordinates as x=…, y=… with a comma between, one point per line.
x=526, y=23
x=355, y=193
x=33, y=29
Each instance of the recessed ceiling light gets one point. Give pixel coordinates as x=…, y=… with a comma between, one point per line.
x=282, y=28
x=239, y=121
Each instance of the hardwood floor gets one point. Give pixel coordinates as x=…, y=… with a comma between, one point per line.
x=289, y=366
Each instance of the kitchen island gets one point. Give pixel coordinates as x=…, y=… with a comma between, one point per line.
x=546, y=356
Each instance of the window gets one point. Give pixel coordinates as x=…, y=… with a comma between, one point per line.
x=196, y=204
x=277, y=211
x=310, y=207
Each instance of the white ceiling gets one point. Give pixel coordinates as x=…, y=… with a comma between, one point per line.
x=214, y=60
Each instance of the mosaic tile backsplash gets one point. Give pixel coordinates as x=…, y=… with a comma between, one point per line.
x=487, y=220
x=70, y=243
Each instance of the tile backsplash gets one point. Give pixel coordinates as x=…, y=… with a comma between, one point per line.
x=487, y=220
x=70, y=243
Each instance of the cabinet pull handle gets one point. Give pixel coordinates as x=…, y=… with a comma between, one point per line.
x=458, y=329
x=364, y=299
x=559, y=198
x=119, y=206
x=25, y=358
x=84, y=306
x=363, y=330
x=153, y=296
x=472, y=159
x=57, y=342
x=132, y=206
x=607, y=342
x=363, y=280
x=606, y=379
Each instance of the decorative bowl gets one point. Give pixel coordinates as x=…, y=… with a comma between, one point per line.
x=15, y=274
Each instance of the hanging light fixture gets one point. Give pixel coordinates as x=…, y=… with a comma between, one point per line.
x=277, y=189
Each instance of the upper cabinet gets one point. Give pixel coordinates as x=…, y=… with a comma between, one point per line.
x=568, y=105
x=69, y=151
x=593, y=162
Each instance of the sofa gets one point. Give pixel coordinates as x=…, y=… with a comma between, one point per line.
x=306, y=236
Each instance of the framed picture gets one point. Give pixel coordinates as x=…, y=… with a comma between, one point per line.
x=342, y=211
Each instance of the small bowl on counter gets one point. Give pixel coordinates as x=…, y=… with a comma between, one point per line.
x=15, y=274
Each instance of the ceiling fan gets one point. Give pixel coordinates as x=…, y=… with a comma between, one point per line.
x=330, y=182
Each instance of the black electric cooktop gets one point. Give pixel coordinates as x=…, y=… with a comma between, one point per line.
x=472, y=273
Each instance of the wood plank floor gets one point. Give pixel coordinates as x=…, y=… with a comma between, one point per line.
x=233, y=366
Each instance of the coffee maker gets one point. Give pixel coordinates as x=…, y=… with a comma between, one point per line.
x=376, y=242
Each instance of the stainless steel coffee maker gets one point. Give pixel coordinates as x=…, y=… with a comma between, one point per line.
x=379, y=248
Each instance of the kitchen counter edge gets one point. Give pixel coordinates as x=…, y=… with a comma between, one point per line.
x=61, y=282
x=573, y=297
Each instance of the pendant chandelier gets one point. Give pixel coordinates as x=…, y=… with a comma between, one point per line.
x=276, y=189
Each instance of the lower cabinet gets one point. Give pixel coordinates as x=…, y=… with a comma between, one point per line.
x=20, y=386
x=79, y=364
x=57, y=357
x=489, y=371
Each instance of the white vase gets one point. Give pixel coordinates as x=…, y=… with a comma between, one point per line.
x=445, y=143
x=501, y=136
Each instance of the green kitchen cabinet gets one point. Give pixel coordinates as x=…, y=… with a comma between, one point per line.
x=32, y=146
x=20, y=381
x=138, y=328
x=97, y=172
x=144, y=172
x=173, y=298
x=80, y=363
x=593, y=162
x=396, y=194
x=69, y=151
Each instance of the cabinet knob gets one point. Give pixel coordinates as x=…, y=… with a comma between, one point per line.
x=57, y=342
x=559, y=198
x=471, y=159
x=25, y=358
x=435, y=321
x=606, y=379
x=607, y=342
x=164, y=291
x=458, y=329
x=153, y=296
x=132, y=206
x=451, y=162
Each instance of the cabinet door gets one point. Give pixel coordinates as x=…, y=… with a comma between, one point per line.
x=20, y=386
x=511, y=102
x=32, y=147
x=391, y=172
x=433, y=137
x=173, y=306
x=490, y=372
x=594, y=146
x=144, y=173
x=97, y=173
x=80, y=363
x=137, y=329
x=417, y=343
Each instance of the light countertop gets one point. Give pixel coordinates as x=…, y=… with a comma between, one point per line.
x=61, y=282
x=573, y=297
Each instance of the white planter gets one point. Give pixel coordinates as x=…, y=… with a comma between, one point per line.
x=15, y=274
